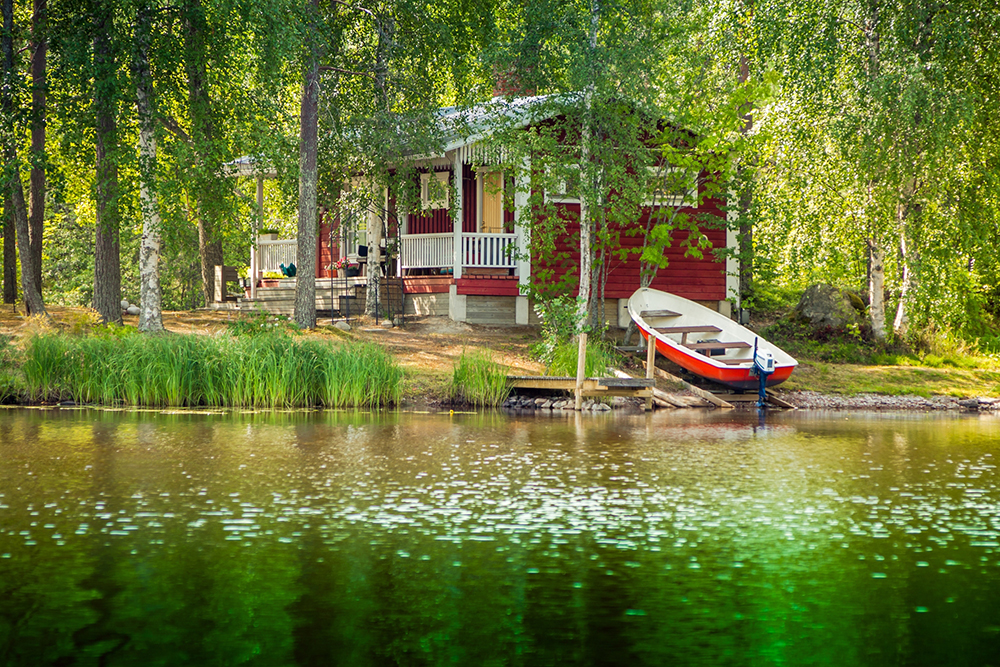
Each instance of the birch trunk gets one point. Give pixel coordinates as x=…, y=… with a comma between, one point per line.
x=876, y=289
x=305, y=277
x=150, y=292
x=383, y=54
x=907, y=257
x=586, y=183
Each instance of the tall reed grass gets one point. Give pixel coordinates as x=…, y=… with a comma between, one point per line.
x=262, y=371
x=479, y=380
x=601, y=358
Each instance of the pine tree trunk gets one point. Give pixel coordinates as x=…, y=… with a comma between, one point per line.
x=32, y=289
x=150, y=292
x=876, y=289
x=36, y=216
x=107, y=260
x=9, y=250
x=305, y=276
x=15, y=207
x=203, y=138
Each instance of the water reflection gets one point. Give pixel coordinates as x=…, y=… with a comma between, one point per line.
x=352, y=538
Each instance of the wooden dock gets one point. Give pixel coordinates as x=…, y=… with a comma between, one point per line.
x=638, y=387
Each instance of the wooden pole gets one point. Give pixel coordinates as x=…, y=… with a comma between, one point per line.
x=650, y=364
x=581, y=366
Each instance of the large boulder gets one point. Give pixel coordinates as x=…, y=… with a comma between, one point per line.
x=828, y=306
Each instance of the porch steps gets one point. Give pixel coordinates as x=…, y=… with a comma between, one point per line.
x=341, y=297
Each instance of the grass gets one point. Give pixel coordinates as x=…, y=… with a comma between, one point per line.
x=479, y=380
x=266, y=370
x=601, y=358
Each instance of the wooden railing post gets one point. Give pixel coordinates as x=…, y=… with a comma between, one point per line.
x=581, y=366
x=650, y=364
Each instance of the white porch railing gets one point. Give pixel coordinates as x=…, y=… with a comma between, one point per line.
x=491, y=251
x=428, y=251
x=275, y=253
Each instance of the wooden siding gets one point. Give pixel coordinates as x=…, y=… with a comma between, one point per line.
x=697, y=279
x=426, y=284
x=499, y=286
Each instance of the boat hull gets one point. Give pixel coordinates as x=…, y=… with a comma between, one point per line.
x=670, y=320
x=738, y=377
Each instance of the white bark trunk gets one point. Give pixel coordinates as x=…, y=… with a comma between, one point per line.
x=901, y=324
x=876, y=289
x=150, y=292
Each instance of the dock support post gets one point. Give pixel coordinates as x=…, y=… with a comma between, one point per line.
x=581, y=367
x=650, y=364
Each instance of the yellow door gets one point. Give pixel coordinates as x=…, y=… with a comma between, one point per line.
x=493, y=202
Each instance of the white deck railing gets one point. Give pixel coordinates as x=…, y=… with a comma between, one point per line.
x=491, y=251
x=275, y=253
x=419, y=251
x=428, y=251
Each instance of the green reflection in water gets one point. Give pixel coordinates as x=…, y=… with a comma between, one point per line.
x=341, y=538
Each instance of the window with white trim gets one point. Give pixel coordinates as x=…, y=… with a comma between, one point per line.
x=671, y=186
x=434, y=190
x=563, y=184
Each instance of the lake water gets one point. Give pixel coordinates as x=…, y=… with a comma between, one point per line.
x=679, y=538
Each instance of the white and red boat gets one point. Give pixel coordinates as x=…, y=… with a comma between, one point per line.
x=705, y=342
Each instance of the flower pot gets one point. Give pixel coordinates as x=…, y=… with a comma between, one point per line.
x=341, y=273
x=353, y=271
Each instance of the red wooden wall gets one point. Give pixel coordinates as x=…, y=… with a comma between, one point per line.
x=697, y=279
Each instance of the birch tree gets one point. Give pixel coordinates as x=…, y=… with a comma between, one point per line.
x=150, y=292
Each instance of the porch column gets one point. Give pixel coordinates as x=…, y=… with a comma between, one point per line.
x=258, y=222
x=522, y=230
x=457, y=213
x=732, y=260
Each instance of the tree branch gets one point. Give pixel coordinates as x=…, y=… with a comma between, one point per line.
x=330, y=68
x=174, y=128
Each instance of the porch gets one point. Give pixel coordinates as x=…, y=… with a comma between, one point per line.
x=418, y=254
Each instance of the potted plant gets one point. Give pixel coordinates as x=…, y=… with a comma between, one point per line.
x=344, y=268
x=268, y=234
x=271, y=279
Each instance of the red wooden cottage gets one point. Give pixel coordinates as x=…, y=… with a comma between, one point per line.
x=461, y=255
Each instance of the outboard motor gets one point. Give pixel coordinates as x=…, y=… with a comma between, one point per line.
x=763, y=366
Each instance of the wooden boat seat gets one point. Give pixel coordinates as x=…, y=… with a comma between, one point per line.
x=684, y=331
x=732, y=362
x=691, y=329
x=658, y=313
x=732, y=344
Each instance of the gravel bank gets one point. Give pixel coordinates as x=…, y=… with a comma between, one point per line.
x=817, y=401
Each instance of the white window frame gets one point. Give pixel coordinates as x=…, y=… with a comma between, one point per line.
x=358, y=233
x=689, y=199
x=427, y=202
x=557, y=194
